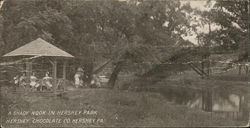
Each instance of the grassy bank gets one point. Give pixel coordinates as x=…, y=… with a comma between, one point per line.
x=117, y=108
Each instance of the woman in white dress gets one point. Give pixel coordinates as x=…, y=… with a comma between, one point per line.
x=33, y=81
x=77, y=80
x=16, y=80
x=47, y=81
x=78, y=76
x=22, y=82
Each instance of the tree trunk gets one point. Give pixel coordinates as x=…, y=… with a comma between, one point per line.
x=208, y=66
x=114, y=74
x=207, y=103
x=202, y=68
x=246, y=69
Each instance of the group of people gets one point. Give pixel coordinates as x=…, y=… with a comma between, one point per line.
x=46, y=82
x=80, y=75
x=33, y=82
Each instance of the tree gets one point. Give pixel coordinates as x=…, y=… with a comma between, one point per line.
x=146, y=33
x=131, y=33
x=36, y=20
x=231, y=17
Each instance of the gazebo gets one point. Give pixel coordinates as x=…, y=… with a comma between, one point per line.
x=41, y=48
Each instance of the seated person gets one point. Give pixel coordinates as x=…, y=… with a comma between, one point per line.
x=16, y=81
x=22, y=80
x=47, y=80
x=95, y=81
x=33, y=81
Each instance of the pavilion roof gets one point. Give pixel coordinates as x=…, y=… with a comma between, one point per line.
x=39, y=47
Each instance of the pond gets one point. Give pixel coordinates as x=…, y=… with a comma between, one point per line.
x=225, y=101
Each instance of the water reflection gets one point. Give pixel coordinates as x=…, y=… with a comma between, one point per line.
x=219, y=100
x=230, y=103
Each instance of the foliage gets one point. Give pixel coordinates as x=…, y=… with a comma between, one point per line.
x=232, y=18
x=131, y=32
x=35, y=20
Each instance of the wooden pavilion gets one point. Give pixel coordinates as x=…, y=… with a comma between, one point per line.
x=41, y=48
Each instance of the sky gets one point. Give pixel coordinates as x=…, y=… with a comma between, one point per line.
x=201, y=5
x=1, y=3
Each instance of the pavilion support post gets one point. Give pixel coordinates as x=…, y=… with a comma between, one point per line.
x=54, y=72
x=64, y=74
x=64, y=69
x=31, y=69
x=28, y=68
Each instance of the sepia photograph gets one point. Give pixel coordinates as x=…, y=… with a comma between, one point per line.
x=124, y=63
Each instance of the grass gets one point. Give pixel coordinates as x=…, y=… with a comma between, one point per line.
x=117, y=108
x=127, y=108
